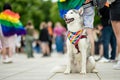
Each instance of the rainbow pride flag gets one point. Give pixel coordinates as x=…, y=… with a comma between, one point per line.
x=66, y=5
x=11, y=24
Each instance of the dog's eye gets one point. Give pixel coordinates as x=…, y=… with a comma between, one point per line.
x=71, y=13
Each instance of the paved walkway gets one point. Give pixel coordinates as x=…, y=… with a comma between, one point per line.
x=40, y=68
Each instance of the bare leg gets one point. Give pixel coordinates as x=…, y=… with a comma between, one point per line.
x=116, y=28
x=90, y=36
x=43, y=48
x=4, y=54
x=10, y=52
x=101, y=50
x=48, y=49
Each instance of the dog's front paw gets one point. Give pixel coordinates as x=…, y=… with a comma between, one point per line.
x=94, y=71
x=83, y=72
x=67, y=71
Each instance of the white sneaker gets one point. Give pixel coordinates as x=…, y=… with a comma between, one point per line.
x=118, y=57
x=104, y=60
x=8, y=60
x=117, y=66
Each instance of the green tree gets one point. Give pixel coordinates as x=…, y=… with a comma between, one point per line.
x=54, y=14
x=37, y=11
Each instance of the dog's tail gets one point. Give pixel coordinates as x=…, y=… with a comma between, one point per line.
x=59, y=69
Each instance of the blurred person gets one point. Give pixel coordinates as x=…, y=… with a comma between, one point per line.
x=10, y=25
x=29, y=25
x=36, y=45
x=22, y=43
x=29, y=40
x=0, y=46
x=44, y=39
x=108, y=36
x=97, y=32
x=115, y=20
x=50, y=31
x=88, y=15
x=18, y=44
x=59, y=33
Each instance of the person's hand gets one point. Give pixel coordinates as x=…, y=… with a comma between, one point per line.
x=107, y=4
x=87, y=1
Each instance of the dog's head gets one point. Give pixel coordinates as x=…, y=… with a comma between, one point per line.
x=73, y=15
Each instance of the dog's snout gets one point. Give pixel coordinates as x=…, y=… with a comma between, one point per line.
x=65, y=17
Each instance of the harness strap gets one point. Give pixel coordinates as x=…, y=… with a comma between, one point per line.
x=74, y=38
x=76, y=46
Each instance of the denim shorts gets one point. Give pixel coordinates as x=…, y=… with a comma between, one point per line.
x=88, y=17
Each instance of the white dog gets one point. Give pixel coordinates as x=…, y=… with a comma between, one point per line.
x=78, y=45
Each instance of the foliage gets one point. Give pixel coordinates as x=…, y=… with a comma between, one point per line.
x=36, y=11
x=54, y=16
x=97, y=18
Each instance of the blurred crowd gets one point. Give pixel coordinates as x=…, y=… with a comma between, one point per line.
x=52, y=37
x=44, y=40
x=47, y=39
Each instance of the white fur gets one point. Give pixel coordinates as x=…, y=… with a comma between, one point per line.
x=81, y=62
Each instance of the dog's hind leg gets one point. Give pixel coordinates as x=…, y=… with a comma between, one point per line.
x=91, y=65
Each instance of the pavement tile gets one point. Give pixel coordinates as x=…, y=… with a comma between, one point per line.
x=88, y=76
x=39, y=69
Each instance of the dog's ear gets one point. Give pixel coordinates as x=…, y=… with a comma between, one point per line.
x=81, y=10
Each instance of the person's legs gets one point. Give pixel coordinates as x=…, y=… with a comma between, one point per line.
x=88, y=17
x=47, y=49
x=43, y=48
x=113, y=46
x=10, y=52
x=4, y=55
x=106, y=34
x=4, y=43
x=116, y=28
x=90, y=36
x=50, y=45
x=101, y=50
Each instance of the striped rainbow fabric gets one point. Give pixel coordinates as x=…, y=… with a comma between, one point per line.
x=65, y=5
x=11, y=24
x=62, y=0
x=74, y=37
